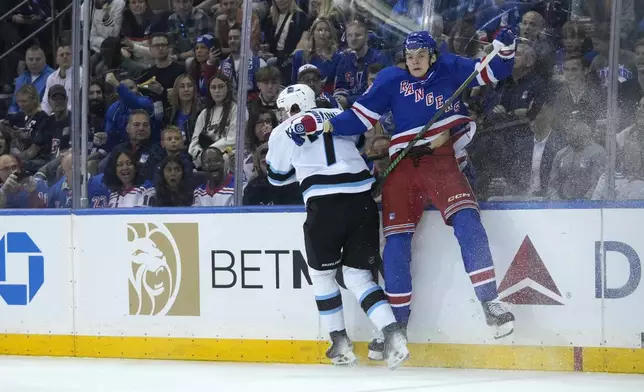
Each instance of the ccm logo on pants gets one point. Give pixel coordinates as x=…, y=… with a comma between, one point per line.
x=459, y=196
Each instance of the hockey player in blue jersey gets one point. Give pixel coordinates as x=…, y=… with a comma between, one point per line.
x=430, y=171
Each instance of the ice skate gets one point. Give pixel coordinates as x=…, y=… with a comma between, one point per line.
x=341, y=351
x=377, y=349
x=498, y=316
x=396, y=351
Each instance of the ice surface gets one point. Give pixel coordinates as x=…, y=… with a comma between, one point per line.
x=28, y=374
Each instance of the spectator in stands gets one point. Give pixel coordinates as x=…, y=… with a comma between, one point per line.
x=576, y=168
x=268, y=80
x=572, y=41
x=139, y=23
x=126, y=182
x=529, y=157
x=119, y=112
x=310, y=75
x=258, y=129
x=147, y=153
x=30, y=127
x=107, y=19
x=531, y=29
x=60, y=194
x=184, y=106
x=96, y=129
x=17, y=189
x=463, y=40
x=578, y=93
x=5, y=142
x=59, y=124
x=230, y=65
x=113, y=61
x=205, y=63
x=516, y=100
x=321, y=50
x=600, y=11
x=161, y=76
x=36, y=74
x=283, y=29
x=217, y=123
x=260, y=192
x=219, y=189
x=639, y=61
x=173, y=185
x=351, y=81
x=32, y=16
x=174, y=146
x=599, y=66
x=185, y=25
x=229, y=14
x=62, y=76
x=328, y=11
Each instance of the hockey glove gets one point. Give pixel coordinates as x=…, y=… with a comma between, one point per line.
x=505, y=42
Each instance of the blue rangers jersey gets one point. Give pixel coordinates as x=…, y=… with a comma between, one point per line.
x=414, y=101
x=323, y=165
x=97, y=192
x=60, y=194
x=351, y=76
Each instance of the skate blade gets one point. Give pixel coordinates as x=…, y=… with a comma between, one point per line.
x=349, y=360
x=504, y=330
x=398, y=360
x=376, y=355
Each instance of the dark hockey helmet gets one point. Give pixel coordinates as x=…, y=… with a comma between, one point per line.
x=418, y=40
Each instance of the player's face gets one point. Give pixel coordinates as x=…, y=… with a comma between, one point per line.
x=138, y=7
x=417, y=62
x=173, y=173
x=125, y=170
x=201, y=53
x=639, y=58
x=186, y=90
x=218, y=90
x=172, y=141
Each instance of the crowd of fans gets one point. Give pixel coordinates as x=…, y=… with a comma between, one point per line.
x=163, y=117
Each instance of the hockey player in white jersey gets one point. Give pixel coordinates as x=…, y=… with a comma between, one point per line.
x=342, y=224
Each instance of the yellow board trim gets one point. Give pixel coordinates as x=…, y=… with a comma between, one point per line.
x=600, y=359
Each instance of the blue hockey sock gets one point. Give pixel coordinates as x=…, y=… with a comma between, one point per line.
x=475, y=249
x=397, y=273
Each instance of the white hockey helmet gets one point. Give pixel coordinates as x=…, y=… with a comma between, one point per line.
x=298, y=94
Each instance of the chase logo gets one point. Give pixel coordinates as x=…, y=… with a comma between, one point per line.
x=163, y=269
x=17, y=248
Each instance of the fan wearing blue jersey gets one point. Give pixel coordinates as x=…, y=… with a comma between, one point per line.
x=430, y=171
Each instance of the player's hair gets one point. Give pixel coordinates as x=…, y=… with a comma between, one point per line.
x=252, y=142
x=166, y=197
x=111, y=179
x=375, y=68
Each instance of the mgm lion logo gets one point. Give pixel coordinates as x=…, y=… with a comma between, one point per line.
x=164, y=269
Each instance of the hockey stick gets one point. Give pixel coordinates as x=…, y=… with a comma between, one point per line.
x=439, y=113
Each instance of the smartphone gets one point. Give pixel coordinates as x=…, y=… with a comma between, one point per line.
x=20, y=175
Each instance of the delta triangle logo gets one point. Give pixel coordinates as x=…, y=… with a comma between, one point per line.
x=528, y=281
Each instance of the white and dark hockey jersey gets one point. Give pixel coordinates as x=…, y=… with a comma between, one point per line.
x=223, y=196
x=323, y=165
x=140, y=196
